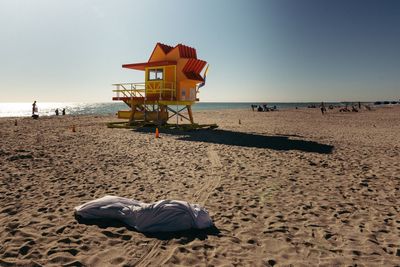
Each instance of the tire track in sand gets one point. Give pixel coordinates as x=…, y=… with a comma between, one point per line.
x=156, y=257
x=212, y=181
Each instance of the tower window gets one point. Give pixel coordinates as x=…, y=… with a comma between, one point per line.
x=155, y=74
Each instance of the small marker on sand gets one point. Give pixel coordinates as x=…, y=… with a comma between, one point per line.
x=16, y=123
x=157, y=133
x=240, y=122
x=73, y=128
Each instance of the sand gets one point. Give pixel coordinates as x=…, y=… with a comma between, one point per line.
x=284, y=188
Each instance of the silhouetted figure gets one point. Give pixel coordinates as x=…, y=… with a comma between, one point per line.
x=63, y=111
x=259, y=109
x=56, y=111
x=323, y=109
x=34, y=108
x=265, y=108
x=35, y=114
x=359, y=105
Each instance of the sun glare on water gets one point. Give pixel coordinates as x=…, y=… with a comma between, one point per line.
x=48, y=108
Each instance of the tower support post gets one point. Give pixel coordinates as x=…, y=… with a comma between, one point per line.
x=133, y=110
x=189, y=108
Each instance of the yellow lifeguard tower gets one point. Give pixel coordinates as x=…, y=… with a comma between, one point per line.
x=172, y=78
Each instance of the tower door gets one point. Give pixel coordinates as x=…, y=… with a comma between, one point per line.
x=154, y=82
x=170, y=81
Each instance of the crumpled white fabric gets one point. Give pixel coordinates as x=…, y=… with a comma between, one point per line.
x=161, y=216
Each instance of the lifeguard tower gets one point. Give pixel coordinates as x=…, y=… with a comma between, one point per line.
x=172, y=82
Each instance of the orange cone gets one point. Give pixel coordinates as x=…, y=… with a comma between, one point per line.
x=73, y=128
x=157, y=133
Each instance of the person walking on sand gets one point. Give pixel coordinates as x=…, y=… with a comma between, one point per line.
x=34, y=108
x=56, y=111
x=63, y=111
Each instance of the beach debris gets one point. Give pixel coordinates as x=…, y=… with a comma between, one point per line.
x=160, y=216
x=157, y=133
x=240, y=122
x=73, y=128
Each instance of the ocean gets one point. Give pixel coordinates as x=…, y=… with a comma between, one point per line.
x=48, y=108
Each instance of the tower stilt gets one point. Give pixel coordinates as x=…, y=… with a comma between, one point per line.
x=189, y=108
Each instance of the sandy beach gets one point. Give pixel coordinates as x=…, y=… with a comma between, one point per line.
x=284, y=188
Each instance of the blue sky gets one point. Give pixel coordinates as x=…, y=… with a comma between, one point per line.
x=277, y=50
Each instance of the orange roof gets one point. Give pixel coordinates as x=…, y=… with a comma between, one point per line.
x=142, y=66
x=194, y=65
x=186, y=51
x=165, y=48
x=191, y=69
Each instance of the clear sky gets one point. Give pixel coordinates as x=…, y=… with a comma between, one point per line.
x=277, y=50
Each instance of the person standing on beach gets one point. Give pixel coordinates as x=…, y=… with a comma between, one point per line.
x=323, y=110
x=34, y=107
x=56, y=111
x=63, y=111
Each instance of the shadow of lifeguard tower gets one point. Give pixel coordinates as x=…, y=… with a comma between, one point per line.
x=172, y=78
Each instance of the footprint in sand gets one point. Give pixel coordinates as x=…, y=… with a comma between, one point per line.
x=117, y=261
x=24, y=249
x=110, y=234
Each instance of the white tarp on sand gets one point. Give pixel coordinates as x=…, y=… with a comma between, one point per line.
x=161, y=216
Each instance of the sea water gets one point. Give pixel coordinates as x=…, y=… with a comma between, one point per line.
x=106, y=108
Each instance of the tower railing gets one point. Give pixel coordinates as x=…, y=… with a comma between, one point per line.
x=162, y=89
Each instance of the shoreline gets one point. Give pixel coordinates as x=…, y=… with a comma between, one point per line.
x=215, y=110
x=8, y=110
